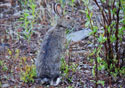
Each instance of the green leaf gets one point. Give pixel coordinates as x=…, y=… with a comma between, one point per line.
x=101, y=38
x=5, y=68
x=93, y=52
x=93, y=70
x=101, y=67
x=112, y=38
x=98, y=59
x=109, y=29
x=1, y=62
x=101, y=82
x=91, y=15
x=87, y=24
x=26, y=14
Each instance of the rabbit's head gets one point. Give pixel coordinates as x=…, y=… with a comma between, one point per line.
x=62, y=20
x=65, y=21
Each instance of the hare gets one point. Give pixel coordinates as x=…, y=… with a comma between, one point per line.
x=48, y=59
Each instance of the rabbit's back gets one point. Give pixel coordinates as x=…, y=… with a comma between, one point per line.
x=48, y=60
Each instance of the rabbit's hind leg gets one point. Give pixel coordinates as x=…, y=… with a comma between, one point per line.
x=55, y=81
x=45, y=80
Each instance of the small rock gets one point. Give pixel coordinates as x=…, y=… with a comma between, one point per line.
x=78, y=35
x=5, y=85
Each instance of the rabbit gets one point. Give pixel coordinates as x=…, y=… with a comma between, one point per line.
x=49, y=58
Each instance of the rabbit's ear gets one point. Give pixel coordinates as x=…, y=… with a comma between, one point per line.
x=58, y=9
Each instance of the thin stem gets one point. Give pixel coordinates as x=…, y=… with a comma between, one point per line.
x=116, y=33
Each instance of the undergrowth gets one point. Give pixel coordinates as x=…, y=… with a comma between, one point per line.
x=109, y=53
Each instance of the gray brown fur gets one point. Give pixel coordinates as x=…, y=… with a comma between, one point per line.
x=48, y=60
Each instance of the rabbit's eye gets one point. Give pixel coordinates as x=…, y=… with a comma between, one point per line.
x=68, y=17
